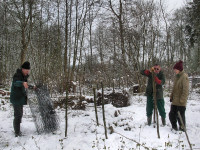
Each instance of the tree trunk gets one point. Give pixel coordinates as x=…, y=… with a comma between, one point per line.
x=24, y=25
x=65, y=67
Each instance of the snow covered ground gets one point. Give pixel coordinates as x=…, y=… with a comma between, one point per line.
x=83, y=134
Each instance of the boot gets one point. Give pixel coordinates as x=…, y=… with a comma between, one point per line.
x=149, y=120
x=175, y=128
x=181, y=129
x=163, y=121
x=16, y=125
x=18, y=134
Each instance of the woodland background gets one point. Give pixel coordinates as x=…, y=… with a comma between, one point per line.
x=92, y=40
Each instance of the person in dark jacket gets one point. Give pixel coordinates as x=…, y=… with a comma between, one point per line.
x=18, y=96
x=160, y=81
x=179, y=96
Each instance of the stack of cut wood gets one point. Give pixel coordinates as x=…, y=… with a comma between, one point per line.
x=117, y=99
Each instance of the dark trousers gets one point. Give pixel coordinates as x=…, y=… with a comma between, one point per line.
x=160, y=106
x=173, y=115
x=18, y=113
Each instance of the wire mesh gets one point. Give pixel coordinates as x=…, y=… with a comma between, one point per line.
x=41, y=106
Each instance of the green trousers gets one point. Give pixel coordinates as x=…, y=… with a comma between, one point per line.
x=160, y=106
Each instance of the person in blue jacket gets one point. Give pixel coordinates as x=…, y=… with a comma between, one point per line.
x=18, y=96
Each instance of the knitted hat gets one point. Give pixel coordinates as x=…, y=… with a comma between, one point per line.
x=179, y=66
x=26, y=65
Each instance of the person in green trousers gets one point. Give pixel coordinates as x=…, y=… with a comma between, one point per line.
x=160, y=81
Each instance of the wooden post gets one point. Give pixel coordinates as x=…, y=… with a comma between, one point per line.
x=97, y=86
x=179, y=115
x=119, y=82
x=113, y=85
x=154, y=96
x=80, y=87
x=155, y=102
x=154, y=115
x=123, y=83
x=127, y=81
x=95, y=106
x=66, y=110
x=104, y=119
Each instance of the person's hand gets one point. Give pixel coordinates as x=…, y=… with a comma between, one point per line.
x=147, y=72
x=157, y=80
x=170, y=100
x=152, y=69
x=35, y=87
x=25, y=84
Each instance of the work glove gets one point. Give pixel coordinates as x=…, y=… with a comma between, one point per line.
x=147, y=72
x=157, y=80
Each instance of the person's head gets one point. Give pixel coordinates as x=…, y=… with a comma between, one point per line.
x=157, y=68
x=178, y=67
x=25, y=68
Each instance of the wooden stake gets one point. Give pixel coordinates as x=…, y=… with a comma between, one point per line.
x=104, y=119
x=155, y=103
x=66, y=110
x=113, y=85
x=179, y=115
x=95, y=106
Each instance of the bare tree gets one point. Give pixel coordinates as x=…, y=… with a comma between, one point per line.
x=121, y=26
x=23, y=15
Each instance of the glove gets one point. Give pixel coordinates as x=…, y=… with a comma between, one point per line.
x=157, y=80
x=147, y=72
x=170, y=100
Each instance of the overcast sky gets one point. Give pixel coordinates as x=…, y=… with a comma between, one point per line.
x=173, y=4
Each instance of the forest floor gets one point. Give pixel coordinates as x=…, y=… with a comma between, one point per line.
x=129, y=129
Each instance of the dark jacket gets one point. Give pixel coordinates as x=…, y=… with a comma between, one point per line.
x=18, y=93
x=159, y=88
x=180, y=89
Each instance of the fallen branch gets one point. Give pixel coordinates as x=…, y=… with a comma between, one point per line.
x=133, y=140
x=126, y=137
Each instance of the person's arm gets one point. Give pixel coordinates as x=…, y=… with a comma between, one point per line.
x=145, y=72
x=32, y=87
x=185, y=90
x=171, y=95
x=16, y=81
x=160, y=81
